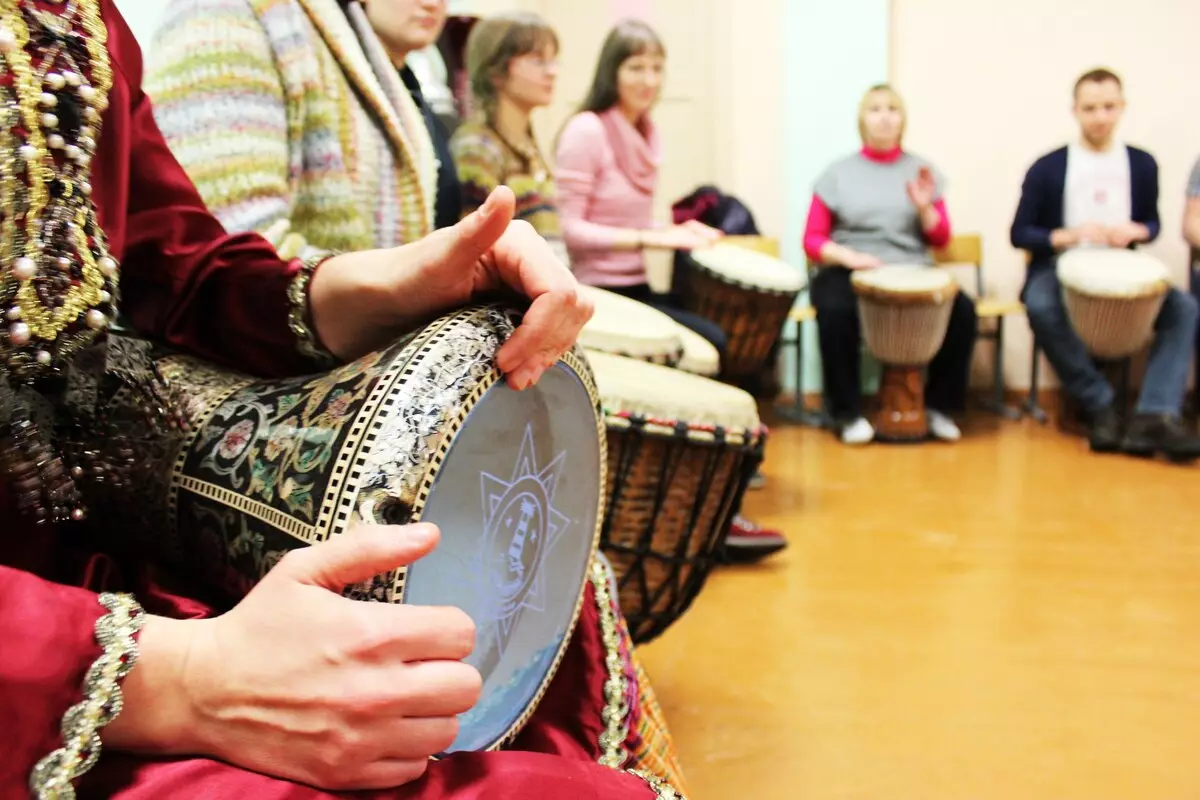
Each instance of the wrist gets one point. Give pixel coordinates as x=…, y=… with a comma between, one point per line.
x=346, y=289
x=158, y=715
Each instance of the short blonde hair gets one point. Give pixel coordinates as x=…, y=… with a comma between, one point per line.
x=881, y=88
x=494, y=42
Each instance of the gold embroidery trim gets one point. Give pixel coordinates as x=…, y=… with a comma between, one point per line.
x=615, y=714
x=102, y=701
x=616, y=711
x=299, y=317
x=662, y=789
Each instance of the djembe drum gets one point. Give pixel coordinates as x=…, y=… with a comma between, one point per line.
x=747, y=293
x=625, y=327
x=904, y=312
x=424, y=430
x=681, y=451
x=1112, y=298
x=699, y=355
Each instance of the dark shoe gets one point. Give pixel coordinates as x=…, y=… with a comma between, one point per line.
x=1104, y=430
x=1161, y=433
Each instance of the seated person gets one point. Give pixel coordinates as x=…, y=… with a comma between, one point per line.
x=296, y=691
x=512, y=60
x=881, y=205
x=607, y=161
x=1101, y=192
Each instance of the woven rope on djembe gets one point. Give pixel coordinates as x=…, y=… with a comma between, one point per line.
x=673, y=485
x=747, y=293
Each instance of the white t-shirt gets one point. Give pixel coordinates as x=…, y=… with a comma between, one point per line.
x=1097, y=188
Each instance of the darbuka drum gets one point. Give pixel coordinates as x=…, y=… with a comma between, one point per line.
x=904, y=312
x=1112, y=298
x=681, y=450
x=625, y=327
x=747, y=293
x=424, y=430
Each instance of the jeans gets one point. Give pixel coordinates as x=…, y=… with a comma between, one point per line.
x=668, y=305
x=1170, y=354
x=840, y=337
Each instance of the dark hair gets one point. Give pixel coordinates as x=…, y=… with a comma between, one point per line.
x=1098, y=75
x=630, y=37
x=494, y=42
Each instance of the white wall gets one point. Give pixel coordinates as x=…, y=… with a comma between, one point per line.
x=988, y=86
x=142, y=17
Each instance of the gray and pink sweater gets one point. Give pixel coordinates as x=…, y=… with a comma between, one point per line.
x=861, y=202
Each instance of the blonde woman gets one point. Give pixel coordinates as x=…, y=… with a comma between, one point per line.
x=881, y=205
x=512, y=60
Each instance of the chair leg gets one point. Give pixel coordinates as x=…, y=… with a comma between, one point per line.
x=996, y=404
x=796, y=412
x=1031, y=406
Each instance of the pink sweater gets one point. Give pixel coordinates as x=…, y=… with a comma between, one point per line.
x=595, y=199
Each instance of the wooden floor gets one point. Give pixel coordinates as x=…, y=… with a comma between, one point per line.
x=1009, y=617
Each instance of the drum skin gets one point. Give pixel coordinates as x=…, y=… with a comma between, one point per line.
x=626, y=327
x=424, y=430
x=1112, y=298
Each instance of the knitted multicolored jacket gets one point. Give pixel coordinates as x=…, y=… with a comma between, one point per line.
x=291, y=121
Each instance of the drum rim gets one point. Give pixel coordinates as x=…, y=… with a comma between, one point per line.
x=1160, y=286
x=904, y=297
x=753, y=287
x=698, y=433
x=574, y=360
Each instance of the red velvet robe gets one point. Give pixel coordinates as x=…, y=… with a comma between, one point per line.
x=222, y=297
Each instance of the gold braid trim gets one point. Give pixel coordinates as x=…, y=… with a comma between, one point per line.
x=662, y=789
x=299, y=317
x=616, y=712
x=102, y=701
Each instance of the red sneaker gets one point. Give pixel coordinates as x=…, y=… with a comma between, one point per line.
x=748, y=541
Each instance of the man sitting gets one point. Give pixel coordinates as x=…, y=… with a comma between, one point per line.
x=1100, y=192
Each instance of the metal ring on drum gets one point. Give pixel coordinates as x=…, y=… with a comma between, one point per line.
x=425, y=430
x=681, y=452
x=904, y=311
x=1112, y=298
x=626, y=327
x=749, y=294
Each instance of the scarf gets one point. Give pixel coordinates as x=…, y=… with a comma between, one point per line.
x=636, y=150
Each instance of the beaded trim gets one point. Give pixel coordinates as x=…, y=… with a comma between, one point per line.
x=299, y=315
x=59, y=283
x=102, y=701
x=616, y=711
x=662, y=789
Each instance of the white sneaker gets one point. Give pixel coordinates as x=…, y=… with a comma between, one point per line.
x=942, y=427
x=858, y=432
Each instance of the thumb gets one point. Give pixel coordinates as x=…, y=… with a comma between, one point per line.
x=480, y=229
x=361, y=553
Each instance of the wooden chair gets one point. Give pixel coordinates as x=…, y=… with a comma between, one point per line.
x=967, y=250
x=963, y=250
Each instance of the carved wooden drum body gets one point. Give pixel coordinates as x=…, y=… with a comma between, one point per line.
x=1112, y=298
x=747, y=293
x=904, y=312
x=681, y=451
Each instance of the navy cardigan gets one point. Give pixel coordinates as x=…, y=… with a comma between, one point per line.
x=1041, y=208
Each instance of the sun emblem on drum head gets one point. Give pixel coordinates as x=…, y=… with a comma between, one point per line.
x=521, y=526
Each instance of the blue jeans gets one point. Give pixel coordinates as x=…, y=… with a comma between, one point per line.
x=1170, y=354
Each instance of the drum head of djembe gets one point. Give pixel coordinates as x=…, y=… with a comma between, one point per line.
x=1112, y=298
x=424, y=430
x=626, y=327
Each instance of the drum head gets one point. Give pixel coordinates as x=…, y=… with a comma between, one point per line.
x=624, y=326
x=750, y=268
x=903, y=278
x=516, y=499
x=1105, y=272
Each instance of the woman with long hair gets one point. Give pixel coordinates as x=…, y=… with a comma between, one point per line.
x=607, y=160
x=881, y=205
x=512, y=61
